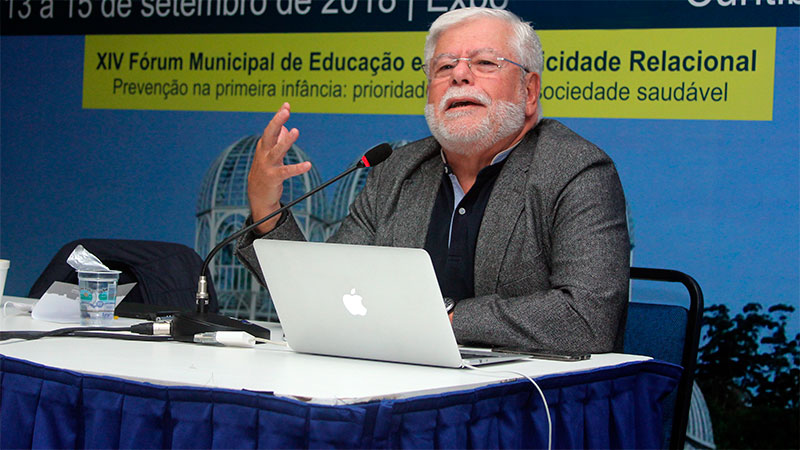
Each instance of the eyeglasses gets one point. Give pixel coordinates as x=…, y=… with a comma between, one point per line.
x=483, y=63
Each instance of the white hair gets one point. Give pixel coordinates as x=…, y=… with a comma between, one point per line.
x=525, y=44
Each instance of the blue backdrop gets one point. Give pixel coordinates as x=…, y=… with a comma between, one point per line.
x=716, y=199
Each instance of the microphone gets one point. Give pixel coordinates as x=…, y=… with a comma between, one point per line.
x=189, y=324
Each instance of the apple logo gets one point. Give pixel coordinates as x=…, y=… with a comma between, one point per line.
x=352, y=302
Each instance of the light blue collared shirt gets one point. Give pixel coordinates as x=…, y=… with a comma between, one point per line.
x=458, y=191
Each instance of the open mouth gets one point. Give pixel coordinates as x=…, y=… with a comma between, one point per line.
x=462, y=103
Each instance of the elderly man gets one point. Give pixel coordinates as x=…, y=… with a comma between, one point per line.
x=524, y=220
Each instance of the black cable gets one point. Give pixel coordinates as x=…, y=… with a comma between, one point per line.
x=31, y=335
x=125, y=337
x=27, y=335
x=145, y=328
x=146, y=331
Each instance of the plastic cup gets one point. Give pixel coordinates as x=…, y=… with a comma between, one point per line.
x=98, y=296
x=4, y=264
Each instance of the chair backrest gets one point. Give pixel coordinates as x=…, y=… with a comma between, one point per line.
x=669, y=333
x=166, y=273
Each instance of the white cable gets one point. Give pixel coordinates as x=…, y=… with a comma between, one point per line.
x=24, y=307
x=544, y=400
x=231, y=339
x=226, y=338
x=267, y=341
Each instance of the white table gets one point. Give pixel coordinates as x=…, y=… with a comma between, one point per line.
x=265, y=368
x=57, y=391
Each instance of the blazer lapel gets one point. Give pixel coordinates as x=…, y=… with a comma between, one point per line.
x=504, y=209
x=416, y=200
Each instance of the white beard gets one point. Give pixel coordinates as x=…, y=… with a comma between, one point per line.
x=503, y=119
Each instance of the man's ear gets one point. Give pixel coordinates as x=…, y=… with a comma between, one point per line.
x=533, y=88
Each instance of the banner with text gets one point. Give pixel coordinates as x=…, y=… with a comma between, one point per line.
x=367, y=73
x=717, y=73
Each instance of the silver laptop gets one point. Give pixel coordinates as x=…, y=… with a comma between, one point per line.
x=359, y=301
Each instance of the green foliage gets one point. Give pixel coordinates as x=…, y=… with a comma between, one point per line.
x=748, y=371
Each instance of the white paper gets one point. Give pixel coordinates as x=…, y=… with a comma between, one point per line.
x=61, y=303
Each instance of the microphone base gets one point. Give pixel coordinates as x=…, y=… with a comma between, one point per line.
x=186, y=324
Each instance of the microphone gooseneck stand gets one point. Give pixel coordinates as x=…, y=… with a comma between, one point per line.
x=186, y=324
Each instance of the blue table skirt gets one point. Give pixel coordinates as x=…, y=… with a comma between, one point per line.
x=44, y=407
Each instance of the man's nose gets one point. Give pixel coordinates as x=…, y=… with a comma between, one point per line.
x=462, y=74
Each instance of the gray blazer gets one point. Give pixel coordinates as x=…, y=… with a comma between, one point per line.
x=552, y=257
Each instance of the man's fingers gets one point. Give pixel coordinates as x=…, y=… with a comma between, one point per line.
x=293, y=170
x=268, y=172
x=278, y=174
x=282, y=146
x=273, y=155
x=276, y=125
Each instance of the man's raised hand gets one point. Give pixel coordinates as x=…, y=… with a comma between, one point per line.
x=268, y=172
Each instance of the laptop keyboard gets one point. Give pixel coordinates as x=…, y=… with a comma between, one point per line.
x=470, y=354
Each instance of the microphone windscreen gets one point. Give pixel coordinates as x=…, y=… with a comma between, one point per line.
x=376, y=155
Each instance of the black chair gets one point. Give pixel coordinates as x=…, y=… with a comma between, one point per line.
x=166, y=274
x=669, y=333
